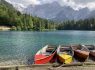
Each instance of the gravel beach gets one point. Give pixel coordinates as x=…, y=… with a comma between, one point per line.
x=82, y=66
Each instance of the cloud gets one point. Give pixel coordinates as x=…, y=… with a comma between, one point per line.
x=91, y=5
x=75, y=4
x=25, y=2
x=84, y=1
x=70, y=3
x=46, y=1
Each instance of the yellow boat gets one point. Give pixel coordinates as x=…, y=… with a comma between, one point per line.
x=64, y=54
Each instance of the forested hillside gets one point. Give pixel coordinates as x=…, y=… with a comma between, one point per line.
x=87, y=24
x=17, y=21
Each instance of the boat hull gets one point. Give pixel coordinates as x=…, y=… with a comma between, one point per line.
x=64, y=58
x=92, y=55
x=81, y=55
x=45, y=59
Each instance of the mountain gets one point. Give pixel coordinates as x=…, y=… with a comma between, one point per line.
x=69, y=14
x=55, y=11
x=82, y=13
x=3, y=2
x=92, y=14
x=47, y=11
x=18, y=7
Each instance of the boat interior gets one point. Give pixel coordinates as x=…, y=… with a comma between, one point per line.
x=66, y=49
x=76, y=47
x=50, y=49
x=79, y=48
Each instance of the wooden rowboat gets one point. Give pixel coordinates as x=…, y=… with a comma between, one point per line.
x=92, y=51
x=64, y=54
x=81, y=53
x=45, y=55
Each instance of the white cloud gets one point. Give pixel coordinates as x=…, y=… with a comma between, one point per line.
x=32, y=1
x=84, y=1
x=70, y=3
x=25, y=2
x=91, y=5
x=76, y=4
x=46, y=1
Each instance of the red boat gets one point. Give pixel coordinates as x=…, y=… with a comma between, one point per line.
x=45, y=55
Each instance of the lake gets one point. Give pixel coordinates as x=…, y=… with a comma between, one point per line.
x=18, y=46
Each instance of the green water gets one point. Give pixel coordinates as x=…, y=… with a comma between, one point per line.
x=20, y=46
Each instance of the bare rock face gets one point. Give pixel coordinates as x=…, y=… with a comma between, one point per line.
x=55, y=11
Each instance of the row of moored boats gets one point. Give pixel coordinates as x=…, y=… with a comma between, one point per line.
x=65, y=54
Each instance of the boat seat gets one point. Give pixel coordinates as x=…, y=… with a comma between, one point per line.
x=49, y=49
x=64, y=49
x=64, y=53
x=77, y=47
x=46, y=53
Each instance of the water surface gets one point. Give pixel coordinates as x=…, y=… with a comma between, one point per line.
x=19, y=46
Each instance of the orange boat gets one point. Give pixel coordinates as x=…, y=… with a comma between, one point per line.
x=81, y=53
x=45, y=55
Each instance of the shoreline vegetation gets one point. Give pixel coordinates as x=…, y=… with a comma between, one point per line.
x=13, y=28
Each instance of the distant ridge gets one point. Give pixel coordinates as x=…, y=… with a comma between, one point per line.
x=54, y=11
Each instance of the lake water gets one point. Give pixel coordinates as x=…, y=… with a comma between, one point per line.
x=17, y=47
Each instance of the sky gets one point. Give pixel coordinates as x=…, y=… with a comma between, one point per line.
x=76, y=4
